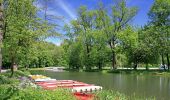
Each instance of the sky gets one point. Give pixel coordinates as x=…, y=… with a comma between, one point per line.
x=66, y=10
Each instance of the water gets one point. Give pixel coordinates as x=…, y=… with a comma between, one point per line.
x=140, y=85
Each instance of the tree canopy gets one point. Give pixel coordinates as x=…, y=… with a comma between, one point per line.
x=98, y=38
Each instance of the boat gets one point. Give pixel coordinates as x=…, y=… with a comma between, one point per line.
x=81, y=90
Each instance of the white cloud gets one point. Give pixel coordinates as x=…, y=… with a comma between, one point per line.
x=67, y=8
x=53, y=12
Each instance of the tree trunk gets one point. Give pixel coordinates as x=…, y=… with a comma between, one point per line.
x=12, y=69
x=111, y=44
x=163, y=62
x=113, y=60
x=1, y=32
x=147, y=68
x=0, y=58
x=135, y=66
x=100, y=66
x=88, y=67
x=12, y=66
x=39, y=62
x=168, y=63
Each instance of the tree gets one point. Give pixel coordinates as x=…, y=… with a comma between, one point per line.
x=18, y=33
x=113, y=25
x=160, y=22
x=100, y=51
x=85, y=21
x=1, y=31
x=23, y=29
x=129, y=43
x=81, y=32
x=97, y=31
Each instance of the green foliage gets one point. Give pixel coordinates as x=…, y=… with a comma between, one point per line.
x=6, y=80
x=22, y=73
x=75, y=61
x=24, y=34
x=14, y=93
x=158, y=29
x=110, y=95
x=97, y=32
x=47, y=54
x=159, y=13
x=95, y=39
x=113, y=95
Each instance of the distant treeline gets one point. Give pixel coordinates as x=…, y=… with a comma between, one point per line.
x=102, y=37
x=105, y=37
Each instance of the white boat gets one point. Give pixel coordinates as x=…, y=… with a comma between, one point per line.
x=44, y=79
x=86, y=89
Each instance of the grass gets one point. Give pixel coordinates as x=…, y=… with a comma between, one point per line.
x=14, y=93
x=114, y=95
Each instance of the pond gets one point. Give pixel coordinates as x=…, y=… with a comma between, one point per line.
x=139, y=85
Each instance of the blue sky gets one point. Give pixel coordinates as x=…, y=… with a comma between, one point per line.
x=67, y=10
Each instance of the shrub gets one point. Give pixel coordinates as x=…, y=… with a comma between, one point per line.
x=14, y=93
x=21, y=73
x=109, y=95
x=6, y=91
x=112, y=95
x=5, y=80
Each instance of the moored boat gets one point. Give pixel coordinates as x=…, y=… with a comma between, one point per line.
x=81, y=90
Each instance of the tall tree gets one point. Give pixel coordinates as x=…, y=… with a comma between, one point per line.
x=1, y=31
x=160, y=22
x=23, y=29
x=114, y=24
x=85, y=27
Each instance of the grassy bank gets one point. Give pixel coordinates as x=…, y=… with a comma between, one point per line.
x=14, y=88
x=15, y=93
x=114, y=95
x=128, y=71
x=141, y=72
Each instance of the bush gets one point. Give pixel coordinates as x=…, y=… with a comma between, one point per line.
x=6, y=91
x=58, y=94
x=21, y=73
x=112, y=95
x=5, y=80
x=109, y=95
x=14, y=93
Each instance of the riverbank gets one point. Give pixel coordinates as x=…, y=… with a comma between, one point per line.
x=140, y=71
x=19, y=87
x=10, y=88
x=153, y=71
x=54, y=69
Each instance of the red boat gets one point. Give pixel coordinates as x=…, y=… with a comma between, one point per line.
x=82, y=91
